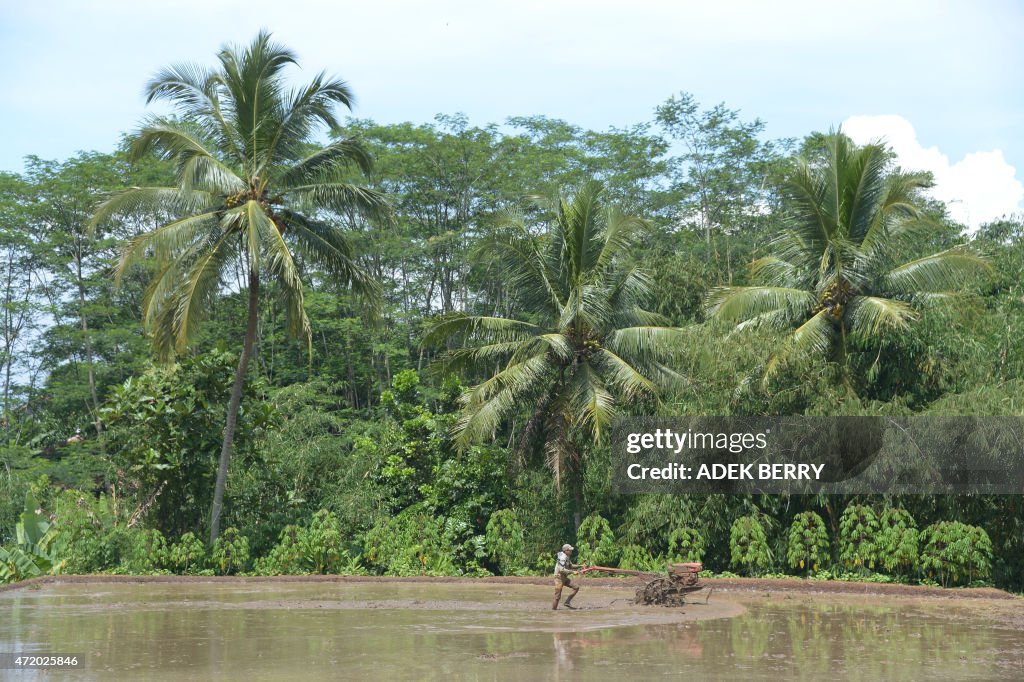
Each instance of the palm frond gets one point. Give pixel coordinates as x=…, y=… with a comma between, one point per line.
x=339, y=155
x=176, y=315
x=642, y=344
x=326, y=246
x=490, y=402
x=486, y=355
x=945, y=271
x=305, y=110
x=153, y=200
x=466, y=327
x=743, y=303
x=870, y=315
x=811, y=339
x=165, y=241
x=625, y=378
x=253, y=83
x=281, y=265
x=188, y=86
x=776, y=271
x=522, y=263
x=590, y=401
x=559, y=453
x=341, y=197
x=620, y=237
x=198, y=167
x=865, y=191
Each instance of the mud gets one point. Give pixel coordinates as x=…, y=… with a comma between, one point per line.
x=167, y=628
x=758, y=585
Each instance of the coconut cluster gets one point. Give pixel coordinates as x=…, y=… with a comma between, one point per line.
x=834, y=298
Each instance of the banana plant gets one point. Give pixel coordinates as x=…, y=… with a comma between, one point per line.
x=32, y=555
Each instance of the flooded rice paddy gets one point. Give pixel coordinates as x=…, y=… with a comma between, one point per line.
x=484, y=631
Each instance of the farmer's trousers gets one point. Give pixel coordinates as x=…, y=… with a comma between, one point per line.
x=564, y=580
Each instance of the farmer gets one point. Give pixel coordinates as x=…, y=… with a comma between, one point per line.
x=564, y=569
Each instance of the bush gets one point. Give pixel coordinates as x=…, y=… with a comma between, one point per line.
x=230, y=552
x=321, y=543
x=411, y=543
x=956, y=553
x=505, y=540
x=147, y=553
x=808, y=543
x=596, y=542
x=637, y=558
x=898, y=541
x=749, y=545
x=858, y=538
x=89, y=537
x=163, y=428
x=685, y=545
x=188, y=555
x=286, y=558
x=318, y=548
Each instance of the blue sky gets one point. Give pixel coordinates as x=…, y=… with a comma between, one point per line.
x=940, y=80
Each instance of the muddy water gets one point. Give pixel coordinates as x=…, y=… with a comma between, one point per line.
x=271, y=631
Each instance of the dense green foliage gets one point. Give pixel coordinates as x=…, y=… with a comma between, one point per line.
x=748, y=545
x=595, y=542
x=898, y=540
x=685, y=545
x=858, y=538
x=505, y=541
x=33, y=554
x=956, y=553
x=808, y=548
x=458, y=427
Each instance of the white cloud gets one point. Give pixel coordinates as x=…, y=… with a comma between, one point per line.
x=978, y=188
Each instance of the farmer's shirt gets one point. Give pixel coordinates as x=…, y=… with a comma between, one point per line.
x=563, y=564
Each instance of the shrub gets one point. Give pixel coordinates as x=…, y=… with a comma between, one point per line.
x=749, y=545
x=684, y=545
x=808, y=543
x=898, y=541
x=147, y=553
x=318, y=548
x=230, y=552
x=86, y=533
x=505, y=540
x=321, y=543
x=188, y=554
x=956, y=553
x=286, y=558
x=411, y=543
x=596, y=542
x=858, y=537
x=637, y=558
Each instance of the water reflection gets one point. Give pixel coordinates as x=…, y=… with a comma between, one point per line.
x=447, y=632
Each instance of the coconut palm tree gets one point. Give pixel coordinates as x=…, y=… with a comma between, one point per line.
x=836, y=275
x=250, y=188
x=580, y=344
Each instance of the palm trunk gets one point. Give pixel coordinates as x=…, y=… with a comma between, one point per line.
x=844, y=365
x=234, y=404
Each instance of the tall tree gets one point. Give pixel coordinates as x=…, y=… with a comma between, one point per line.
x=250, y=188
x=577, y=345
x=837, y=271
x=19, y=298
x=721, y=175
x=65, y=194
